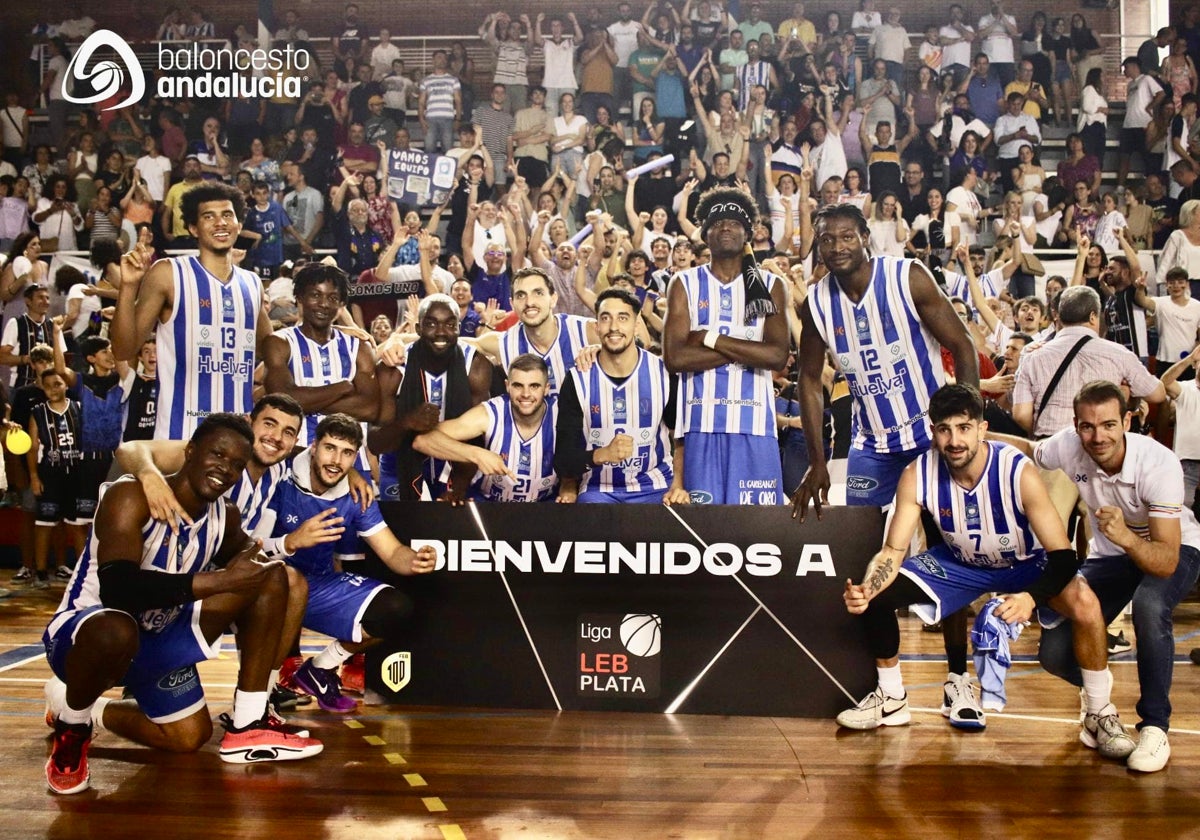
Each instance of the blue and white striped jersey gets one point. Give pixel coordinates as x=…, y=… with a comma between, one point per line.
x=531, y=459
x=635, y=407
x=560, y=358
x=207, y=349
x=732, y=398
x=892, y=362
x=187, y=552
x=985, y=526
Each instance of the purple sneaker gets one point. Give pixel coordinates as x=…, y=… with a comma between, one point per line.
x=323, y=684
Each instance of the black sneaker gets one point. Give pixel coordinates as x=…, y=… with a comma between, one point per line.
x=1195, y=656
x=1118, y=643
x=283, y=699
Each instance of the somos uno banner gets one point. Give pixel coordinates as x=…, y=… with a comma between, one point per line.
x=700, y=609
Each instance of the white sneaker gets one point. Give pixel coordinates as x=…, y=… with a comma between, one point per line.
x=959, y=703
x=1152, y=751
x=875, y=710
x=1104, y=733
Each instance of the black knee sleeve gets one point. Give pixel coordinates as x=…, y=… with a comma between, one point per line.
x=387, y=614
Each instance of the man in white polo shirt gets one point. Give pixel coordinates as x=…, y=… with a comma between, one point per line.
x=1145, y=547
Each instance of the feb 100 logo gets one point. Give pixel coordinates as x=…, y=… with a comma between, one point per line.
x=619, y=655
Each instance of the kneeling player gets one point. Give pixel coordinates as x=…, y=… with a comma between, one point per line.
x=140, y=611
x=356, y=611
x=1001, y=535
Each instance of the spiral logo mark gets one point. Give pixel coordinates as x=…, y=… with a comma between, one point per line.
x=106, y=76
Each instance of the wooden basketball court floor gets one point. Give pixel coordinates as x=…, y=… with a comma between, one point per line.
x=398, y=772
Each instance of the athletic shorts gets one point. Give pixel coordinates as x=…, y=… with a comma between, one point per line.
x=950, y=585
x=337, y=603
x=59, y=499
x=162, y=676
x=872, y=477
x=621, y=497
x=726, y=469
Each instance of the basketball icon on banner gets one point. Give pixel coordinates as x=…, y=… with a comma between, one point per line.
x=641, y=634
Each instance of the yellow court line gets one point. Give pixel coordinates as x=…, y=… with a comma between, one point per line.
x=415, y=780
x=394, y=758
x=452, y=832
x=434, y=803
x=353, y=724
x=374, y=740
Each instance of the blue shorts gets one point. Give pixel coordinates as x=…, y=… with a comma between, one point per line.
x=337, y=602
x=872, y=477
x=621, y=497
x=951, y=585
x=722, y=469
x=162, y=676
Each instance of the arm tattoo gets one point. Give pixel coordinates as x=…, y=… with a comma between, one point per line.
x=879, y=577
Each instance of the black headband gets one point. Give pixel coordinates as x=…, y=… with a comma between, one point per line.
x=726, y=210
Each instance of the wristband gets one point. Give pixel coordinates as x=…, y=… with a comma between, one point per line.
x=710, y=339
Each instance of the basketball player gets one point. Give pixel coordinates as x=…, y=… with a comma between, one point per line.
x=885, y=321
x=356, y=611
x=275, y=423
x=140, y=611
x=615, y=419
x=726, y=331
x=441, y=380
x=1001, y=535
x=516, y=460
x=556, y=337
x=206, y=313
x=325, y=369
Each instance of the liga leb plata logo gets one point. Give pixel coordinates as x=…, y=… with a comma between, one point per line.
x=105, y=77
x=396, y=670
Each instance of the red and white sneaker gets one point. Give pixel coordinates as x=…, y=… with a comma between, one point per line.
x=67, y=768
x=274, y=720
x=288, y=670
x=354, y=674
x=260, y=741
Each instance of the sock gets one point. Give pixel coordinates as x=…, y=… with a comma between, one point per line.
x=890, y=681
x=76, y=716
x=98, y=713
x=272, y=680
x=248, y=707
x=1097, y=688
x=332, y=656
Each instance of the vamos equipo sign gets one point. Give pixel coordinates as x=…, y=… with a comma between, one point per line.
x=701, y=609
x=105, y=64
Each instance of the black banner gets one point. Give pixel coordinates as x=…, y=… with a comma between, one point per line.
x=623, y=607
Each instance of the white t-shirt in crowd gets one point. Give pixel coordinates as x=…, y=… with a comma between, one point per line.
x=1177, y=326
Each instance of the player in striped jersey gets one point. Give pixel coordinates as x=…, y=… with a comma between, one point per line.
x=557, y=338
x=141, y=610
x=516, y=461
x=885, y=321
x=443, y=378
x=725, y=333
x=207, y=313
x=1001, y=535
x=325, y=369
x=615, y=419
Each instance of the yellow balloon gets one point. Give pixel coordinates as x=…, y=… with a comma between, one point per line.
x=18, y=441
